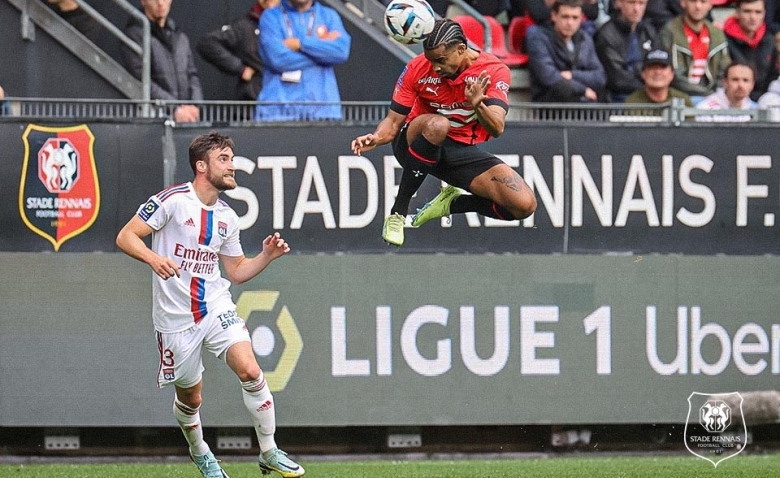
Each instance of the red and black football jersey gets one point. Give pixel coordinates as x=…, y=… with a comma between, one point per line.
x=419, y=90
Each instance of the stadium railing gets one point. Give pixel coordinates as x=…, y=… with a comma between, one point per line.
x=371, y=112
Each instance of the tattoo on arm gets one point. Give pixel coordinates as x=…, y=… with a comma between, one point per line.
x=509, y=181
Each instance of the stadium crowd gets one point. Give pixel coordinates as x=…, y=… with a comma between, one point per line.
x=582, y=51
x=593, y=51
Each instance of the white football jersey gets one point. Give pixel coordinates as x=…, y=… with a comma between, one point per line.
x=192, y=234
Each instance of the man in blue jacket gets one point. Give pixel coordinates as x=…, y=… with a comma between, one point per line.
x=300, y=43
x=562, y=59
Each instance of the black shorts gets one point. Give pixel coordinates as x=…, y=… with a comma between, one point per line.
x=459, y=164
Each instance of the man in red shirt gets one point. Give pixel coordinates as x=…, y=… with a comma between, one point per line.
x=700, y=53
x=446, y=101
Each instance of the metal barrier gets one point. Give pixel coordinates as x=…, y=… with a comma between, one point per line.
x=34, y=13
x=367, y=112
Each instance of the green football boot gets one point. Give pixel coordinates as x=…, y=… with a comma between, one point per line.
x=393, y=230
x=437, y=207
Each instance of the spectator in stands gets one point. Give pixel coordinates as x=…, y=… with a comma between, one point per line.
x=300, y=43
x=595, y=12
x=621, y=45
x=699, y=50
x=5, y=106
x=439, y=6
x=771, y=98
x=498, y=9
x=516, y=8
x=82, y=21
x=538, y=10
x=173, y=71
x=659, y=12
x=735, y=94
x=233, y=49
x=773, y=17
x=562, y=60
x=750, y=42
x=657, y=74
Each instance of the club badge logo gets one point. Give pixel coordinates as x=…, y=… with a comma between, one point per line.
x=715, y=429
x=59, y=194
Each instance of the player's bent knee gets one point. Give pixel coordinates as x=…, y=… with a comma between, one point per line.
x=191, y=400
x=524, y=206
x=436, y=129
x=530, y=204
x=249, y=374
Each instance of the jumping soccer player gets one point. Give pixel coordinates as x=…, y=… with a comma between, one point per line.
x=192, y=231
x=446, y=101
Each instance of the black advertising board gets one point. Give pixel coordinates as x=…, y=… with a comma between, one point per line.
x=600, y=189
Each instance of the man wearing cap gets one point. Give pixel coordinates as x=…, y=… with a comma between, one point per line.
x=621, y=43
x=657, y=75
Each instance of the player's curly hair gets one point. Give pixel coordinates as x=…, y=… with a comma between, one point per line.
x=201, y=145
x=445, y=32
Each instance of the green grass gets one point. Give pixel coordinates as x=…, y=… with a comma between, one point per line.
x=743, y=466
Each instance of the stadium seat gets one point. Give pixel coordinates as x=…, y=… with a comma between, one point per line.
x=518, y=28
x=472, y=28
x=475, y=32
x=498, y=41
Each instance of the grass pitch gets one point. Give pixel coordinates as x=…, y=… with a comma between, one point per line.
x=742, y=466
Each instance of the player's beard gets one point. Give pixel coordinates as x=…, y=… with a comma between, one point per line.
x=222, y=183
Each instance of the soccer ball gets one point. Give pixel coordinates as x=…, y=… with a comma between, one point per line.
x=409, y=21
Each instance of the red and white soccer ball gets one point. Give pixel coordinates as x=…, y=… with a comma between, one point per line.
x=409, y=21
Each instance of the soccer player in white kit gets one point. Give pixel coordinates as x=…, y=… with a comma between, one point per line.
x=192, y=231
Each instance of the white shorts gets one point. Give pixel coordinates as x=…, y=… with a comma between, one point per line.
x=181, y=360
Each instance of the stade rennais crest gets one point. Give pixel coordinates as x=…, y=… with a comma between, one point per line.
x=59, y=193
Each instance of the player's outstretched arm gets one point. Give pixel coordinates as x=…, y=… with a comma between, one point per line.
x=240, y=269
x=386, y=131
x=131, y=241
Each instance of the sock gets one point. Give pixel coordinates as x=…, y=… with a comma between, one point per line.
x=480, y=205
x=189, y=422
x=423, y=156
x=260, y=403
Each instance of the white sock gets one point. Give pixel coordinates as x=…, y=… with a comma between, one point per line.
x=260, y=403
x=189, y=422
